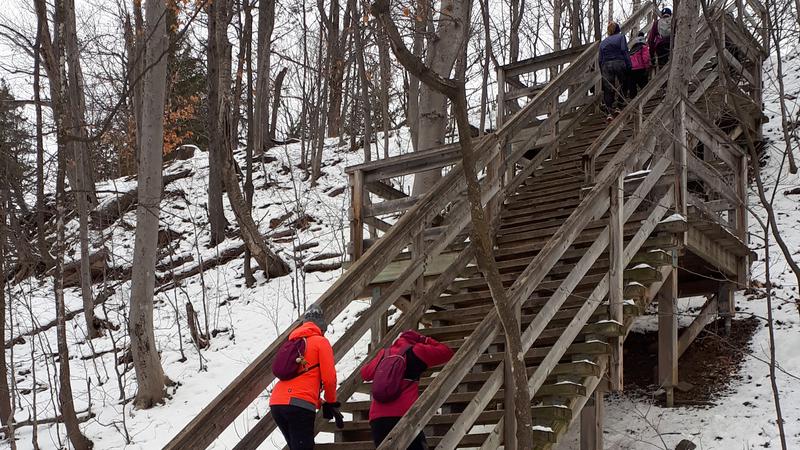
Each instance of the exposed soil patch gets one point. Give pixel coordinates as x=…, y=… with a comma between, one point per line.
x=710, y=364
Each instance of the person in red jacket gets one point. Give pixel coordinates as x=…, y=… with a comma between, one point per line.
x=294, y=402
x=421, y=353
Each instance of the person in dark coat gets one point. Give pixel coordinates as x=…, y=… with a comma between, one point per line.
x=615, y=63
x=422, y=352
x=659, y=38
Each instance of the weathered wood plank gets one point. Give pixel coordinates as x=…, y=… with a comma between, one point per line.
x=615, y=274
x=691, y=332
x=668, y=336
x=706, y=248
x=711, y=179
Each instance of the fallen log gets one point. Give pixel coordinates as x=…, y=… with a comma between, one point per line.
x=98, y=264
x=109, y=211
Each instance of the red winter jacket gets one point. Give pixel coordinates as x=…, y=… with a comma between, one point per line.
x=304, y=389
x=424, y=352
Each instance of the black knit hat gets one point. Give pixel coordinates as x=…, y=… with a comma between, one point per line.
x=666, y=12
x=314, y=314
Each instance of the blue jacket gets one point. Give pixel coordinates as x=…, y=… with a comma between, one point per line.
x=613, y=48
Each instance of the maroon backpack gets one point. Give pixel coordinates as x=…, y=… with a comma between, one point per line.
x=387, y=384
x=290, y=360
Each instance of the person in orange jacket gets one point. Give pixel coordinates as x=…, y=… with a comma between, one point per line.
x=294, y=403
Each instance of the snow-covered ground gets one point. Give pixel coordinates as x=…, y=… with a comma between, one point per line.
x=244, y=321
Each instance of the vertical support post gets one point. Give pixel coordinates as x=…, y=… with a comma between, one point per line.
x=668, y=337
x=615, y=276
x=680, y=144
x=357, y=209
x=417, y=247
x=555, y=116
x=726, y=304
x=505, y=149
x=592, y=418
x=510, y=393
x=381, y=327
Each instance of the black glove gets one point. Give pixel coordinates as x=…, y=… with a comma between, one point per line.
x=331, y=411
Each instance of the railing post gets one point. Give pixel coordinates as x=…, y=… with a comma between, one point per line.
x=680, y=144
x=615, y=277
x=381, y=326
x=554, y=114
x=357, y=214
x=668, y=337
x=592, y=418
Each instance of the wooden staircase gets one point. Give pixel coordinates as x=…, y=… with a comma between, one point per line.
x=591, y=219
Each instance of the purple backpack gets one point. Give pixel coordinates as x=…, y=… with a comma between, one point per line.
x=290, y=360
x=387, y=384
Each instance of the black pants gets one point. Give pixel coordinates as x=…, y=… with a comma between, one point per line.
x=637, y=80
x=614, y=75
x=662, y=55
x=296, y=424
x=381, y=428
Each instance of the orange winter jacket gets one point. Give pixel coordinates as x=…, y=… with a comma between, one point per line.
x=304, y=390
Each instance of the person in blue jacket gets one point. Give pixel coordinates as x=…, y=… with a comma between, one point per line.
x=615, y=64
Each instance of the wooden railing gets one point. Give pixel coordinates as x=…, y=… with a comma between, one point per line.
x=552, y=111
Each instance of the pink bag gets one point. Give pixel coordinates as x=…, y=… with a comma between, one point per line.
x=641, y=59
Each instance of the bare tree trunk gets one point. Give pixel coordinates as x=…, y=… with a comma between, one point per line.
x=251, y=129
x=452, y=31
x=386, y=72
x=575, y=23
x=598, y=30
x=276, y=101
x=77, y=109
x=218, y=85
x=487, y=49
x=6, y=413
x=364, y=81
x=66, y=92
x=517, y=10
x=41, y=235
x=266, y=24
x=480, y=226
x=76, y=437
x=269, y=262
x=774, y=28
x=423, y=12
x=335, y=66
x=84, y=178
x=147, y=362
x=558, y=7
